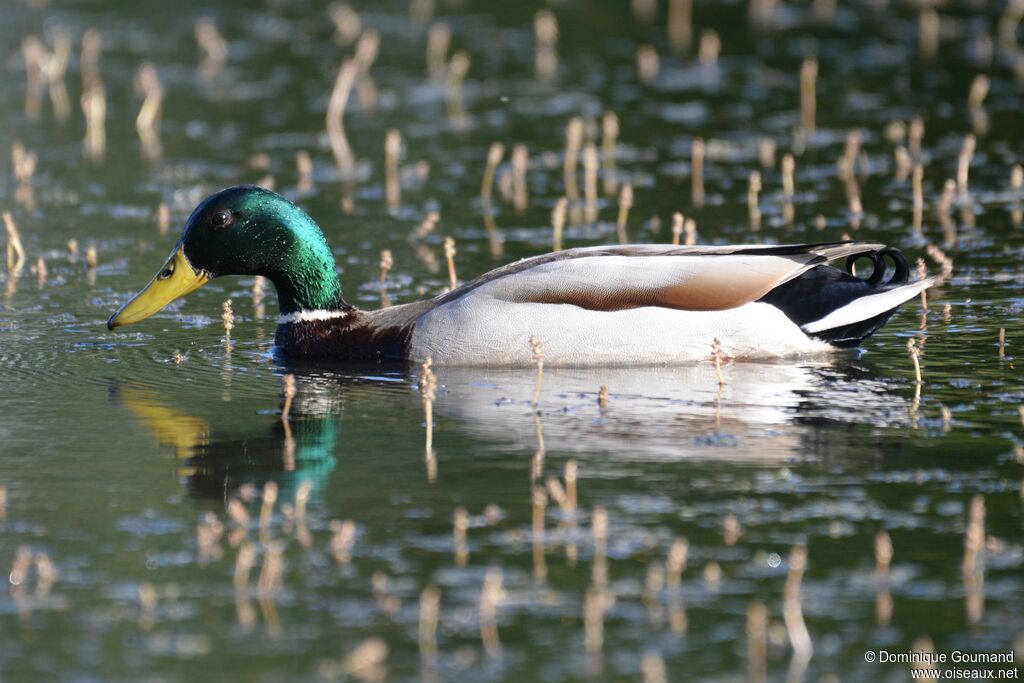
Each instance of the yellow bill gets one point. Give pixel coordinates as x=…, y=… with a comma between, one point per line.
x=176, y=279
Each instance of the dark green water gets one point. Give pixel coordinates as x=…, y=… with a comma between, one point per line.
x=112, y=453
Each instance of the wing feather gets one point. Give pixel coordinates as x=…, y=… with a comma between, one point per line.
x=669, y=276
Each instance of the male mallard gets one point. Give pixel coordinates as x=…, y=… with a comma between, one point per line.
x=627, y=305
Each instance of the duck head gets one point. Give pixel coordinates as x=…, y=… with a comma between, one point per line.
x=244, y=230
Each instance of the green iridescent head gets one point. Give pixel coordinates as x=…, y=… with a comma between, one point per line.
x=244, y=230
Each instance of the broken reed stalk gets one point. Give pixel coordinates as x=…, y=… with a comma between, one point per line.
x=343, y=538
x=697, y=171
x=458, y=68
x=922, y=273
x=599, y=523
x=753, y=201
x=901, y=163
x=709, y=48
x=267, y=507
x=757, y=643
x=644, y=11
x=652, y=668
x=15, y=250
x=163, y=218
x=593, y=620
x=392, y=184
x=540, y=502
x=590, y=169
x=24, y=163
x=94, y=107
x=428, y=392
x=788, y=170
x=55, y=68
x=690, y=230
x=915, y=138
x=288, y=389
x=571, y=473
x=227, y=316
x=520, y=164
x=851, y=150
x=367, y=48
x=883, y=553
x=34, y=54
x=538, y=359
x=766, y=149
x=677, y=227
x=449, y=255
x=244, y=562
x=259, y=284
x=439, y=38
x=609, y=138
x=494, y=155
x=680, y=25
x=915, y=355
x=304, y=168
x=1002, y=343
x=647, y=64
x=491, y=595
x=545, y=29
x=387, y=262
x=557, y=491
x=214, y=47
x=573, y=140
x=964, y=165
x=974, y=561
x=675, y=564
x=430, y=609
x=537, y=463
x=808, y=94
x=460, y=524
x=147, y=122
x=365, y=663
x=918, y=187
x=978, y=92
x=792, y=612
x=340, y=94
x=731, y=530
x=883, y=562
x=92, y=258
x=716, y=352
x=558, y=217
x=947, y=418
x=625, y=204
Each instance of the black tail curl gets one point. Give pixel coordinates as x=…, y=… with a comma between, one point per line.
x=824, y=289
x=883, y=274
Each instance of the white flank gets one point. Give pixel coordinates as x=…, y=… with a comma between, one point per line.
x=310, y=316
x=483, y=331
x=868, y=306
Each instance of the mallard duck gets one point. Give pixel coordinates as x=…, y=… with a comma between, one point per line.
x=616, y=305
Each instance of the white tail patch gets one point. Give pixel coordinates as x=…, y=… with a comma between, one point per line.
x=868, y=306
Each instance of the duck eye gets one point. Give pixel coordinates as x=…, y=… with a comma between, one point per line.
x=221, y=219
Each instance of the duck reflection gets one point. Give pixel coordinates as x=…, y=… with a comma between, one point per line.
x=763, y=412
x=288, y=453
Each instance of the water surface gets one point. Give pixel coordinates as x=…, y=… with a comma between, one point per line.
x=118, y=447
